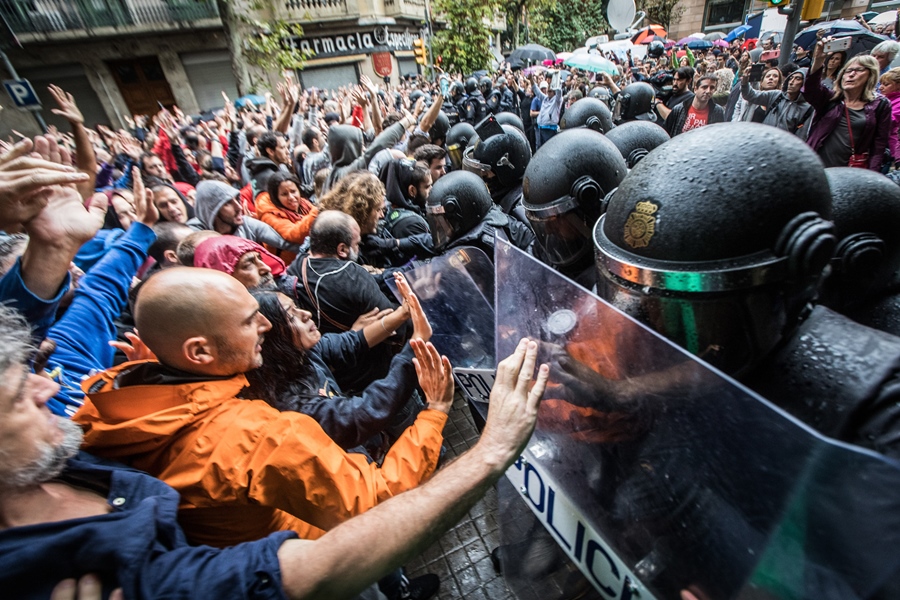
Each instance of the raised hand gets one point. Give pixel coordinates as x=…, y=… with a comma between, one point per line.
x=67, y=107
x=421, y=326
x=136, y=350
x=435, y=375
x=145, y=210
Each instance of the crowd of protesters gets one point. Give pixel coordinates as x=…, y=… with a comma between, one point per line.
x=202, y=302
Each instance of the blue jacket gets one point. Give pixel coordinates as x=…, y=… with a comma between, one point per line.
x=137, y=546
x=83, y=334
x=38, y=312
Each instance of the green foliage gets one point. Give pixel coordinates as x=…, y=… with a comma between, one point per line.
x=271, y=45
x=465, y=44
x=664, y=12
x=566, y=24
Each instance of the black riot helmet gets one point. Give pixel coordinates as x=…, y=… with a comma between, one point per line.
x=485, y=85
x=499, y=155
x=866, y=215
x=471, y=85
x=501, y=81
x=563, y=191
x=655, y=49
x=635, y=139
x=602, y=94
x=590, y=113
x=439, y=128
x=457, y=203
x=415, y=95
x=457, y=139
x=723, y=261
x=635, y=101
x=457, y=89
x=508, y=118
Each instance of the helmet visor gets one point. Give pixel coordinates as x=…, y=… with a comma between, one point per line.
x=456, y=155
x=441, y=229
x=561, y=231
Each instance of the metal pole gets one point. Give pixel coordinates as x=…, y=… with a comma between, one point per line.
x=14, y=75
x=790, y=31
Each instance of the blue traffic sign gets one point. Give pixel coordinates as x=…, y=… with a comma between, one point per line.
x=22, y=94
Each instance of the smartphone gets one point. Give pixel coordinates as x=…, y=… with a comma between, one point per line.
x=756, y=72
x=838, y=45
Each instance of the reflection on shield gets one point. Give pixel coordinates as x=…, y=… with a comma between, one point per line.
x=654, y=473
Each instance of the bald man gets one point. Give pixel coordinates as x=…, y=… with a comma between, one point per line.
x=243, y=469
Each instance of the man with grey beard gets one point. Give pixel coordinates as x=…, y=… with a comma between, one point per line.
x=65, y=514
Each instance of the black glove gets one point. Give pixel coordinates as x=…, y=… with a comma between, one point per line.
x=376, y=245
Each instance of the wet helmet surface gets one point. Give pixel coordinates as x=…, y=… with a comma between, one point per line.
x=457, y=203
x=721, y=259
x=635, y=101
x=635, y=139
x=590, y=113
x=485, y=85
x=457, y=139
x=500, y=159
x=471, y=85
x=440, y=127
x=508, y=118
x=564, y=188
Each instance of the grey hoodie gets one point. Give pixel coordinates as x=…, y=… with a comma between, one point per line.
x=212, y=196
x=345, y=144
x=792, y=117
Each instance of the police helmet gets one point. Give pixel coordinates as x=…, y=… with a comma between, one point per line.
x=508, y=118
x=635, y=139
x=676, y=249
x=457, y=89
x=415, y=95
x=602, y=94
x=457, y=139
x=499, y=155
x=439, y=128
x=655, y=49
x=457, y=203
x=485, y=85
x=590, y=113
x=501, y=81
x=635, y=101
x=471, y=85
x=866, y=215
x=563, y=191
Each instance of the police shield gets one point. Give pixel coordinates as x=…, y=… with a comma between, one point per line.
x=651, y=474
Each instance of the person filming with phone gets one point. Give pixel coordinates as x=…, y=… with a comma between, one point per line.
x=782, y=107
x=851, y=124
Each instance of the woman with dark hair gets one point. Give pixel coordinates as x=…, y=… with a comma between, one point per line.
x=834, y=62
x=286, y=211
x=295, y=374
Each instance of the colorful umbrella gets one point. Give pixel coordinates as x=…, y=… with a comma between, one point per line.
x=534, y=70
x=592, y=62
x=720, y=43
x=696, y=44
x=737, y=32
x=653, y=38
x=648, y=32
x=684, y=41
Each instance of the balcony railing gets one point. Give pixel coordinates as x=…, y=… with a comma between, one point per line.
x=320, y=10
x=414, y=9
x=118, y=16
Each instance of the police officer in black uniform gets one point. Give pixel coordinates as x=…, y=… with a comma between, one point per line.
x=457, y=140
x=475, y=106
x=500, y=155
x=492, y=95
x=677, y=253
x=865, y=272
x=635, y=102
x=565, y=184
x=455, y=107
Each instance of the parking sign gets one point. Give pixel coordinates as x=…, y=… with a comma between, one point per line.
x=22, y=94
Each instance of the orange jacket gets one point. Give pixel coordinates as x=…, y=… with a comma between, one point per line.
x=294, y=227
x=244, y=469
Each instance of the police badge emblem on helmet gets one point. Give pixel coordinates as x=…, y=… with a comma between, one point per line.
x=641, y=225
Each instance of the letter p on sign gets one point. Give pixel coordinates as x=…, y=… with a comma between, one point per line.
x=22, y=93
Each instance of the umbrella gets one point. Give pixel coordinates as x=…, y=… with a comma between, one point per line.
x=884, y=18
x=563, y=55
x=696, y=44
x=592, y=62
x=720, y=43
x=737, y=32
x=807, y=37
x=715, y=35
x=532, y=53
x=534, y=70
x=684, y=41
x=249, y=99
x=653, y=38
x=869, y=15
x=863, y=42
x=668, y=45
x=699, y=35
x=771, y=34
x=648, y=32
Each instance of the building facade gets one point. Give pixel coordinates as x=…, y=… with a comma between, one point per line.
x=126, y=57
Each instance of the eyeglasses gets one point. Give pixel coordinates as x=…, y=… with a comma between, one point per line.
x=856, y=70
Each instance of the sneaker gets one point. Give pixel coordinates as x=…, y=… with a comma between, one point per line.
x=421, y=588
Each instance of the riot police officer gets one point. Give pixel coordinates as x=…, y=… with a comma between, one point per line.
x=676, y=252
x=590, y=113
x=865, y=273
x=602, y=94
x=635, y=139
x=475, y=106
x=500, y=155
x=635, y=102
x=457, y=140
x=565, y=184
x=508, y=118
x=455, y=108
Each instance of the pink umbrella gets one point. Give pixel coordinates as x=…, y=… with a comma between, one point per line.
x=548, y=62
x=721, y=43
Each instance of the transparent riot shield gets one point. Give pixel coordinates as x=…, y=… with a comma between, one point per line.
x=456, y=291
x=653, y=474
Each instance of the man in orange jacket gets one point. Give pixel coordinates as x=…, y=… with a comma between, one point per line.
x=243, y=469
